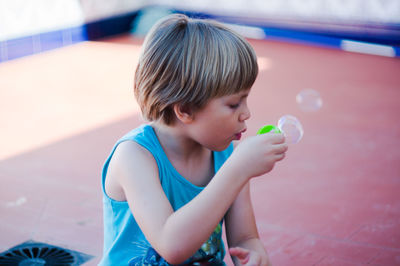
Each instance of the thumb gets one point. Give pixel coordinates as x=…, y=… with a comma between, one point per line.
x=241, y=253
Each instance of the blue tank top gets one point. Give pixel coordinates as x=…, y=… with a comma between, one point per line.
x=124, y=242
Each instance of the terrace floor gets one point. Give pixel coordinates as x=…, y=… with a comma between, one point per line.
x=334, y=200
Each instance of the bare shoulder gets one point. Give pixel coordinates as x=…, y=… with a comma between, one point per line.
x=129, y=162
x=128, y=150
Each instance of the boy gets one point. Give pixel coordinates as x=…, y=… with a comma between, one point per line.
x=169, y=185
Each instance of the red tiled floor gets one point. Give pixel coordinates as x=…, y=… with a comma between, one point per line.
x=334, y=200
x=330, y=261
x=275, y=239
x=388, y=257
x=385, y=234
x=312, y=246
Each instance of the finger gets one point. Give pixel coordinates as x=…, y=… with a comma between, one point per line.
x=276, y=138
x=281, y=148
x=279, y=157
x=241, y=253
x=273, y=138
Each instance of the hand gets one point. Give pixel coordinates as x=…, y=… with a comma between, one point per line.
x=257, y=155
x=248, y=257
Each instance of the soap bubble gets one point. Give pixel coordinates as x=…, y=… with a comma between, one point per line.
x=291, y=128
x=309, y=100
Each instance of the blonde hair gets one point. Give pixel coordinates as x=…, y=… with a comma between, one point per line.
x=188, y=62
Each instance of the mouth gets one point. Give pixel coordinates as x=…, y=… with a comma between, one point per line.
x=238, y=136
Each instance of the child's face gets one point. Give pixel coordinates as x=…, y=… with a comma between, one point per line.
x=222, y=120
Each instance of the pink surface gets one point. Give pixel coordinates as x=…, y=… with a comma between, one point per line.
x=334, y=200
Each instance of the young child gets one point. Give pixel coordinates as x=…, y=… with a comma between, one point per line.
x=171, y=184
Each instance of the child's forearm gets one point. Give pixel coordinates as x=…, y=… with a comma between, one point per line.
x=195, y=222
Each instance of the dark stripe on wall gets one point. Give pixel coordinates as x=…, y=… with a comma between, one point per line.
x=315, y=35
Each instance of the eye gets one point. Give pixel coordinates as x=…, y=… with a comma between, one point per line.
x=234, y=106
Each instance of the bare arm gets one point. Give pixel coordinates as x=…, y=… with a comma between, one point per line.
x=161, y=225
x=241, y=230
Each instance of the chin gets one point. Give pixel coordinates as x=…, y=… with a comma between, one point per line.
x=220, y=147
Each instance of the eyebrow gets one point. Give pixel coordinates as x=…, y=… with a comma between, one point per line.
x=238, y=96
x=244, y=95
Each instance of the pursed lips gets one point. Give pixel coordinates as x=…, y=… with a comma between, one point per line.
x=238, y=136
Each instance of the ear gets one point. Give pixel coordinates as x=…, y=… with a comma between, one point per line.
x=183, y=113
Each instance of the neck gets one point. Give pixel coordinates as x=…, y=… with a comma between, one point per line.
x=177, y=144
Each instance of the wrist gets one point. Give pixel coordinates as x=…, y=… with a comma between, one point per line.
x=236, y=170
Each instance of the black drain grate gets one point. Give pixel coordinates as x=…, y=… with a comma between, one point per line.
x=36, y=254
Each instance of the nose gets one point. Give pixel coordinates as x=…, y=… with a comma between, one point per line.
x=245, y=114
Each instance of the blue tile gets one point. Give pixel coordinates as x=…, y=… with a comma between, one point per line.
x=19, y=47
x=397, y=50
x=78, y=34
x=51, y=40
x=302, y=37
x=3, y=51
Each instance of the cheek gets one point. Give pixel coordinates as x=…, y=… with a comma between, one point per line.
x=223, y=124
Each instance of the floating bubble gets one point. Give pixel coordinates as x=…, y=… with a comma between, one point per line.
x=309, y=100
x=291, y=128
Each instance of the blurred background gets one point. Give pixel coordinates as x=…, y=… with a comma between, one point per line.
x=66, y=75
x=28, y=27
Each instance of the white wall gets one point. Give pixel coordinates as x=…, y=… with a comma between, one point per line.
x=378, y=11
x=28, y=17
x=20, y=18
x=99, y=9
